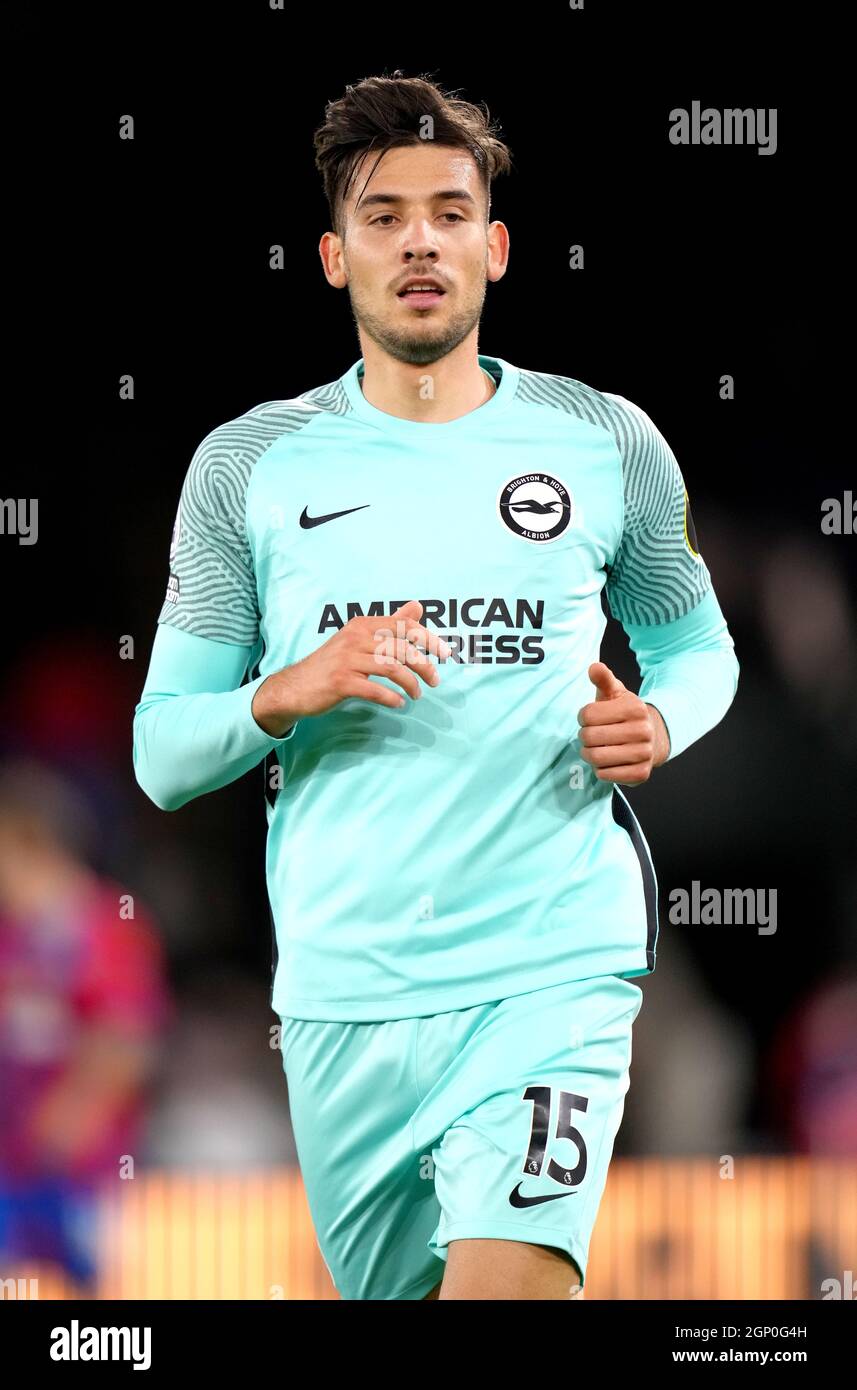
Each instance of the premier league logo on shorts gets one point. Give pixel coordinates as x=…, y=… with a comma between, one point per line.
x=536, y=506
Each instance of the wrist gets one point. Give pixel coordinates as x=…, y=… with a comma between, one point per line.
x=271, y=708
x=661, y=736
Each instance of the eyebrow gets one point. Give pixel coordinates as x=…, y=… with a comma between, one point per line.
x=448, y=195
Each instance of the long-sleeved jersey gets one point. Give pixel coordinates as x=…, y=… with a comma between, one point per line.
x=457, y=850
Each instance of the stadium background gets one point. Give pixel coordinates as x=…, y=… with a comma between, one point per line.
x=700, y=262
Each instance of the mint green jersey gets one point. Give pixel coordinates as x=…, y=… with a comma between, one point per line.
x=457, y=850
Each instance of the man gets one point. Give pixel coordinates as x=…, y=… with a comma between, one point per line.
x=83, y=1001
x=409, y=563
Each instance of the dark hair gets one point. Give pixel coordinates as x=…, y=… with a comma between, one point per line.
x=380, y=113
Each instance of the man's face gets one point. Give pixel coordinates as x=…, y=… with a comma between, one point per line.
x=400, y=226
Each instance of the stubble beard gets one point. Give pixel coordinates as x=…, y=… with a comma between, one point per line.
x=425, y=343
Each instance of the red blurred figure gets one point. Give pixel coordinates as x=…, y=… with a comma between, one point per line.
x=813, y=1071
x=82, y=1005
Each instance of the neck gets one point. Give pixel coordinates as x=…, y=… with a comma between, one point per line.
x=432, y=394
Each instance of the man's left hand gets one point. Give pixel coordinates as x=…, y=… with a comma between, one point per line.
x=621, y=737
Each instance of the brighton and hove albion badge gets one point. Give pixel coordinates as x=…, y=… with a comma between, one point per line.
x=536, y=506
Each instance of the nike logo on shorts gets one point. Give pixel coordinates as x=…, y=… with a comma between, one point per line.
x=517, y=1200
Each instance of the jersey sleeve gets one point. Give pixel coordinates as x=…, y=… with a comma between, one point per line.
x=660, y=589
x=211, y=590
x=657, y=573
x=689, y=670
x=194, y=728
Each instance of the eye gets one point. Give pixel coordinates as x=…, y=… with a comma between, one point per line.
x=384, y=215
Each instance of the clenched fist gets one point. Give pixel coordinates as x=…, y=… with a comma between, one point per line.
x=621, y=736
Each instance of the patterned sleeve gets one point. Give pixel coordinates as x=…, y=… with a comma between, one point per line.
x=657, y=573
x=212, y=585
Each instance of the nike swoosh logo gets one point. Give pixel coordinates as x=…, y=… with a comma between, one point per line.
x=308, y=521
x=517, y=1200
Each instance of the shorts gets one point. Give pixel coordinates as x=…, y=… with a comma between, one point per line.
x=496, y=1121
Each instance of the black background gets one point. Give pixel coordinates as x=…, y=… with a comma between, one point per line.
x=150, y=257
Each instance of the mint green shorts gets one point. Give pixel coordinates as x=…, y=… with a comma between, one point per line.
x=496, y=1121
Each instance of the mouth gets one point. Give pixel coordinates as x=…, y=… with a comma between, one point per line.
x=421, y=296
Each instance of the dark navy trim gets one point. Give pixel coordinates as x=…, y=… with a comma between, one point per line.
x=270, y=760
x=624, y=816
x=275, y=955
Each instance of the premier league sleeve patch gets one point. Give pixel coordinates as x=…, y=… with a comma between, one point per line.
x=690, y=529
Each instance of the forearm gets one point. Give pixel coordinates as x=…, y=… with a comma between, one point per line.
x=689, y=671
x=194, y=729
x=271, y=705
x=103, y=1076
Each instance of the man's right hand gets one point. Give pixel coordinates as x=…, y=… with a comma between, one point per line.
x=396, y=647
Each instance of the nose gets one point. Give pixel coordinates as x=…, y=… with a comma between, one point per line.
x=420, y=253
x=419, y=240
